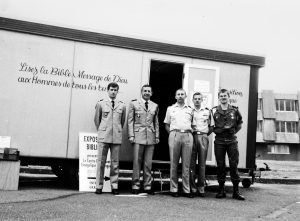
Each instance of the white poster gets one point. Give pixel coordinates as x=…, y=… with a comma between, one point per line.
x=87, y=161
x=5, y=141
x=201, y=86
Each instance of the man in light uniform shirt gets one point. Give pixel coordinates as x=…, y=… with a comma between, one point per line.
x=202, y=127
x=109, y=120
x=143, y=133
x=178, y=123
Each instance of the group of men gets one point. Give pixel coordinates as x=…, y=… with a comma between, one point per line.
x=188, y=130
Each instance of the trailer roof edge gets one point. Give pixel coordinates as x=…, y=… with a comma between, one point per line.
x=130, y=43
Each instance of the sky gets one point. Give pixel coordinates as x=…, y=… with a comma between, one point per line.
x=268, y=28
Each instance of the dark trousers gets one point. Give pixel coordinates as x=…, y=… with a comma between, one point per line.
x=231, y=148
x=199, y=153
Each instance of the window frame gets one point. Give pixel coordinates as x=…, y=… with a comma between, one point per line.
x=284, y=104
x=278, y=149
x=282, y=127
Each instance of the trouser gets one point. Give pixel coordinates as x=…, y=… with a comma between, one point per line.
x=140, y=153
x=180, y=145
x=199, y=152
x=114, y=166
x=233, y=155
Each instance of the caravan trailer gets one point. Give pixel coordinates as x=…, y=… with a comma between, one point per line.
x=51, y=78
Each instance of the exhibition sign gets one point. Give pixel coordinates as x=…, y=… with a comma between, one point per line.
x=88, y=149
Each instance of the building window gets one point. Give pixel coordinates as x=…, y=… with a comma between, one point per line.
x=287, y=126
x=286, y=105
x=259, y=125
x=278, y=149
x=259, y=104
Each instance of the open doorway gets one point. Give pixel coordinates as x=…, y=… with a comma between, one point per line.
x=165, y=79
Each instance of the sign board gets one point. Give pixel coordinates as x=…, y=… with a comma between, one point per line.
x=88, y=150
x=87, y=161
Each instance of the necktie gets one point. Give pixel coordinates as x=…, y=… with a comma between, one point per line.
x=113, y=104
x=146, y=105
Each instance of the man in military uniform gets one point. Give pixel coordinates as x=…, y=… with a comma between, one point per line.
x=143, y=133
x=178, y=123
x=228, y=121
x=202, y=128
x=109, y=120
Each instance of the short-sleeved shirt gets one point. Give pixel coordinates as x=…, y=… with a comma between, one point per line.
x=202, y=120
x=179, y=118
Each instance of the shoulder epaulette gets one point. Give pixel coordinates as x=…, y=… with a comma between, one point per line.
x=235, y=107
x=214, y=107
x=189, y=106
x=206, y=108
x=134, y=100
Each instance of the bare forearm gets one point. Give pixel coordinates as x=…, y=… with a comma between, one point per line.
x=167, y=127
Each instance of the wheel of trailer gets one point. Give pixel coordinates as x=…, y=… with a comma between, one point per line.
x=246, y=183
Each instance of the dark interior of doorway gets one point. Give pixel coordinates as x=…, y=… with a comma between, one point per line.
x=165, y=79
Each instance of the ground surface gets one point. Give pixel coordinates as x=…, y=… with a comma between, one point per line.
x=43, y=197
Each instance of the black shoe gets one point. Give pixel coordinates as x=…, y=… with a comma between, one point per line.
x=174, y=194
x=201, y=194
x=188, y=195
x=221, y=193
x=98, y=191
x=149, y=192
x=135, y=191
x=237, y=196
x=195, y=193
x=115, y=191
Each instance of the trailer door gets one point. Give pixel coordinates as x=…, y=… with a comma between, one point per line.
x=204, y=79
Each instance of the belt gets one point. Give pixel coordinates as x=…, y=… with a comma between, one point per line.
x=199, y=133
x=182, y=131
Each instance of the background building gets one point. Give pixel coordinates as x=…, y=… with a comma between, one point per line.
x=277, y=136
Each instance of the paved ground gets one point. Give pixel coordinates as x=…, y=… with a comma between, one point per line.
x=51, y=201
x=43, y=197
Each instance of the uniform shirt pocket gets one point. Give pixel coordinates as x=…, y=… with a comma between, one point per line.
x=138, y=115
x=105, y=114
x=152, y=112
x=188, y=113
x=173, y=115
